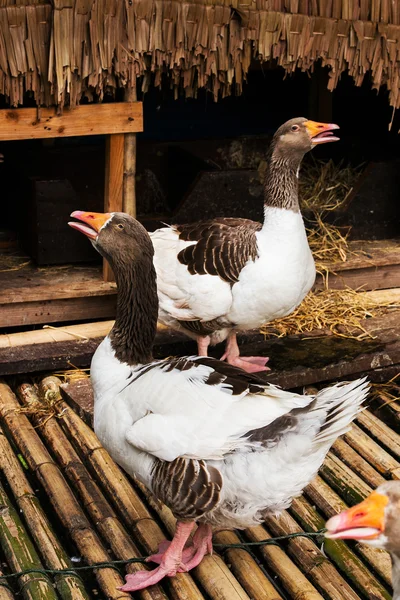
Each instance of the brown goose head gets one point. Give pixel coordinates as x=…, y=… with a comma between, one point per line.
x=300, y=135
x=375, y=521
x=118, y=237
x=127, y=246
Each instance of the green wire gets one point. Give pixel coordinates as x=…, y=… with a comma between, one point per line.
x=114, y=564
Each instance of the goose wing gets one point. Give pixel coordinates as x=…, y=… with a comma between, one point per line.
x=201, y=408
x=223, y=247
x=198, y=264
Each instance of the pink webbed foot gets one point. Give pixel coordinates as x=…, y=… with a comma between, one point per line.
x=250, y=364
x=171, y=561
x=157, y=558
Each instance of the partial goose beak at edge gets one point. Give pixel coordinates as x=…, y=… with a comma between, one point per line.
x=91, y=224
x=365, y=521
x=321, y=133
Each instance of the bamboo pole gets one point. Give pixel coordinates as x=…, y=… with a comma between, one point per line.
x=381, y=432
x=213, y=573
x=318, y=569
x=246, y=569
x=92, y=498
x=340, y=553
x=381, y=460
x=5, y=592
x=342, y=479
x=291, y=578
x=21, y=555
x=130, y=144
x=354, y=461
x=121, y=494
x=388, y=410
x=69, y=587
x=58, y=492
x=329, y=504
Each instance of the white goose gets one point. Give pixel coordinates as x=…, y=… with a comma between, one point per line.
x=217, y=277
x=217, y=445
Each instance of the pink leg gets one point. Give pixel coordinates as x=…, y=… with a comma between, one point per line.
x=202, y=345
x=250, y=364
x=170, y=565
x=202, y=543
x=194, y=552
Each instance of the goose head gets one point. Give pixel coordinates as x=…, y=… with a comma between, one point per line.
x=301, y=135
x=375, y=521
x=118, y=237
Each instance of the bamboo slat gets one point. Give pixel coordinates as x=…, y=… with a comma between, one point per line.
x=121, y=494
x=343, y=480
x=356, y=463
x=92, y=499
x=21, y=554
x=312, y=561
x=380, y=431
x=60, y=495
x=381, y=460
x=290, y=577
x=5, y=591
x=69, y=587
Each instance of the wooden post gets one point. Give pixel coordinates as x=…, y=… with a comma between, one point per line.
x=113, y=189
x=129, y=192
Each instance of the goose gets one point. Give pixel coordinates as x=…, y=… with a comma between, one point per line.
x=219, y=446
x=376, y=522
x=228, y=274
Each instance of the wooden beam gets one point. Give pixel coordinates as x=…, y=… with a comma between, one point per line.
x=113, y=189
x=88, y=119
x=19, y=314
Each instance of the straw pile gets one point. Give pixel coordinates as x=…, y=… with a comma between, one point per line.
x=323, y=188
x=335, y=312
x=13, y=262
x=65, y=51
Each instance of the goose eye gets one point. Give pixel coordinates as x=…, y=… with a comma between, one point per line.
x=295, y=128
x=120, y=226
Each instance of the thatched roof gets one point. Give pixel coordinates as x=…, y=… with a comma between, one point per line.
x=73, y=48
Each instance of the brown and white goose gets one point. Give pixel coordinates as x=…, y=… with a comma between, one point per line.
x=218, y=445
x=220, y=276
x=376, y=522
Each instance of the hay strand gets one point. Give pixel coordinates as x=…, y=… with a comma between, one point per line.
x=335, y=312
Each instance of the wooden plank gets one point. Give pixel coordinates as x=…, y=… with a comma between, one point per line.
x=57, y=311
x=88, y=119
x=367, y=278
x=114, y=178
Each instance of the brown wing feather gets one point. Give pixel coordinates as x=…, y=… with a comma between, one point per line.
x=223, y=246
x=188, y=487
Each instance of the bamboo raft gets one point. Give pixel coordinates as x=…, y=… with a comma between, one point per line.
x=65, y=504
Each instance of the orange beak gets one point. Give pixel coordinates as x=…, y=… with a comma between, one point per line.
x=321, y=133
x=93, y=222
x=365, y=521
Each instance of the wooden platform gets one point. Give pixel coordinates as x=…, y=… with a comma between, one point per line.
x=62, y=496
x=31, y=295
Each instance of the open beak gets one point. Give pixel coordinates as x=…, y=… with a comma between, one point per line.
x=321, y=133
x=365, y=521
x=91, y=222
